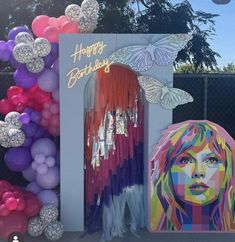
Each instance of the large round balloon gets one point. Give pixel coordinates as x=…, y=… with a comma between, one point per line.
x=14, y=222
x=18, y=159
x=48, y=197
x=48, y=81
x=44, y=146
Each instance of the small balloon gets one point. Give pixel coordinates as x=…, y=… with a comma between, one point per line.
x=24, y=118
x=42, y=47
x=24, y=37
x=35, y=65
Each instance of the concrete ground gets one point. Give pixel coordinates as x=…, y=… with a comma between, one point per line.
x=144, y=237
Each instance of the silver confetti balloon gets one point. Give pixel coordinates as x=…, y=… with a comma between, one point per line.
x=23, y=53
x=16, y=137
x=42, y=47
x=72, y=12
x=48, y=213
x=36, y=65
x=90, y=7
x=24, y=37
x=87, y=25
x=35, y=227
x=4, y=138
x=12, y=120
x=54, y=231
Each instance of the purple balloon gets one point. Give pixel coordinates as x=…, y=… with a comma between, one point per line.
x=30, y=129
x=27, y=142
x=29, y=174
x=53, y=55
x=36, y=117
x=24, y=78
x=48, y=81
x=5, y=54
x=18, y=159
x=50, y=180
x=45, y=146
x=55, y=66
x=24, y=118
x=48, y=197
x=13, y=32
x=33, y=187
x=11, y=45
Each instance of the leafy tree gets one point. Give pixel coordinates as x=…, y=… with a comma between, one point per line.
x=129, y=16
x=229, y=68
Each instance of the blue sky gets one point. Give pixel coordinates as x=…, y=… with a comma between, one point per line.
x=224, y=40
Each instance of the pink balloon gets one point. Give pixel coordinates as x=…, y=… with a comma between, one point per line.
x=44, y=123
x=54, y=120
x=51, y=34
x=70, y=27
x=4, y=211
x=53, y=22
x=62, y=19
x=46, y=114
x=55, y=108
x=7, y=195
x=39, y=24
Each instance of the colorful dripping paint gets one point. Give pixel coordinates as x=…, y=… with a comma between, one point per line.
x=191, y=179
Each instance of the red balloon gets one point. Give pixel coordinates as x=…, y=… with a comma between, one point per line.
x=32, y=205
x=14, y=90
x=7, y=195
x=11, y=204
x=20, y=204
x=4, y=187
x=6, y=106
x=4, y=211
x=14, y=222
x=39, y=24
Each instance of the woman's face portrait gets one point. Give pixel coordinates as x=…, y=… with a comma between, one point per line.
x=197, y=175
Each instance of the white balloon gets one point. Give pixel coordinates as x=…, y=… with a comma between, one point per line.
x=16, y=137
x=90, y=7
x=36, y=65
x=42, y=47
x=23, y=53
x=24, y=37
x=72, y=12
x=12, y=120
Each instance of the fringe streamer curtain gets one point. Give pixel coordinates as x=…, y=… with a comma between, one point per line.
x=113, y=152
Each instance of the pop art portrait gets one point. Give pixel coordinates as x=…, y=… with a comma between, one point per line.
x=192, y=179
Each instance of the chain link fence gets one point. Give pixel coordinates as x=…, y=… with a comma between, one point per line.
x=214, y=100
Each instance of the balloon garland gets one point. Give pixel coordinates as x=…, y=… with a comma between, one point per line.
x=32, y=120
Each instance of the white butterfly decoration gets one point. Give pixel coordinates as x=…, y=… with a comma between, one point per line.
x=85, y=16
x=168, y=97
x=162, y=52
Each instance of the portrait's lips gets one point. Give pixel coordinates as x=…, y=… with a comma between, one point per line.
x=198, y=187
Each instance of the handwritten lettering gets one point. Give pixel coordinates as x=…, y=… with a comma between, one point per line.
x=76, y=73
x=94, y=49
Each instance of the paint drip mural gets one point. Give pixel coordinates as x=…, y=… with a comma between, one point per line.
x=191, y=179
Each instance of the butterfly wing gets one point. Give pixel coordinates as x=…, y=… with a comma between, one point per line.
x=175, y=97
x=136, y=56
x=168, y=47
x=152, y=88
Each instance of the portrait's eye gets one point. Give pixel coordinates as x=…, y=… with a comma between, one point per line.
x=186, y=160
x=212, y=161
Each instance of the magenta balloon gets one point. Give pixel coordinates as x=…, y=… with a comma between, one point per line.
x=29, y=174
x=13, y=32
x=24, y=78
x=45, y=146
x=18, y=159
x=48, y=81
x=56, y=95
x=48, y=197
x=33, y=187
x=50, y=180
